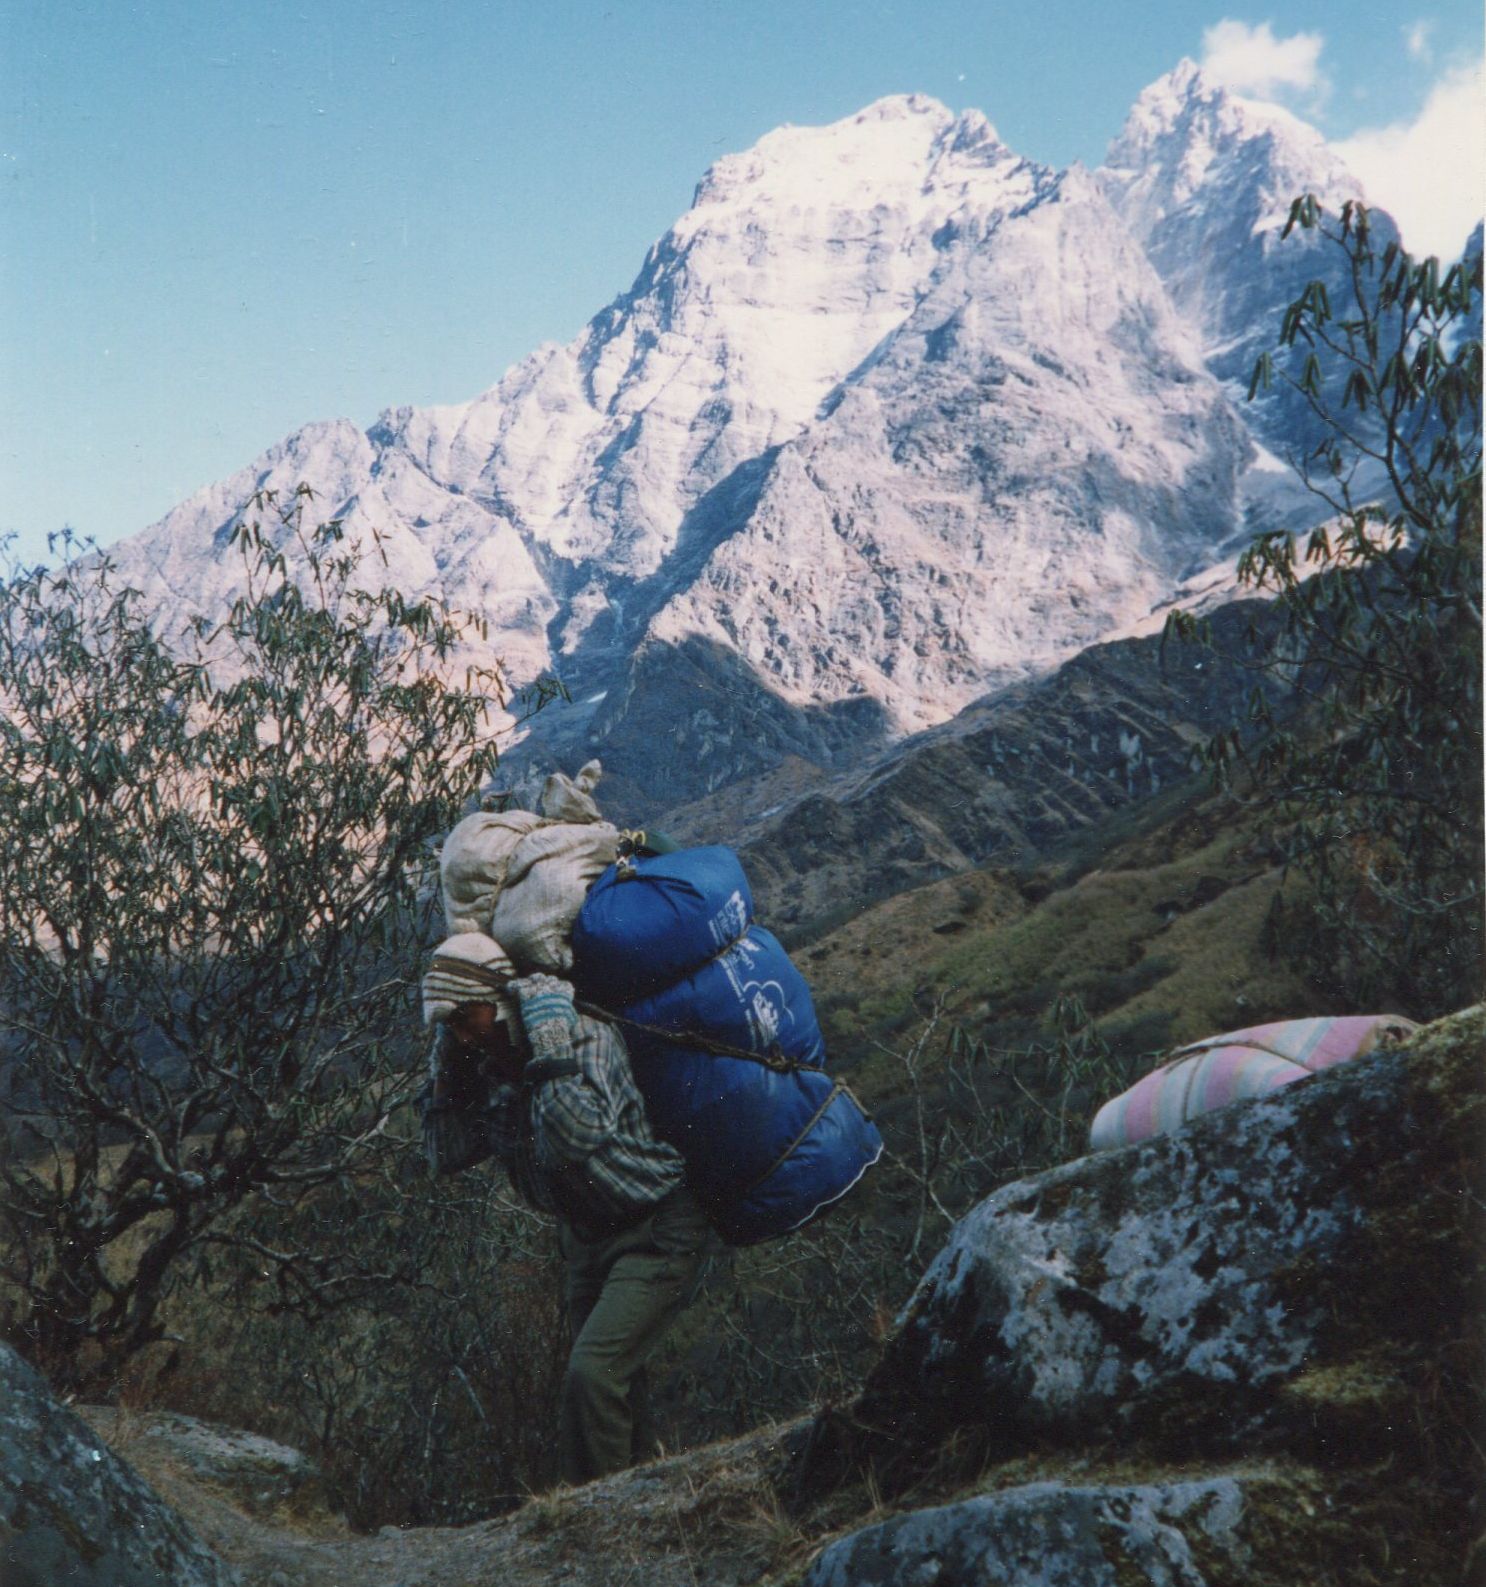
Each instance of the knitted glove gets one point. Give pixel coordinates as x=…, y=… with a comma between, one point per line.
x=548, y=1014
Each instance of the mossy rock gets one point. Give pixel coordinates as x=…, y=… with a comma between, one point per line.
x=1295, y=1275
x=72, y=1512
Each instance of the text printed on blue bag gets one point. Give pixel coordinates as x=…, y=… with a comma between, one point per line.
x=730, y=922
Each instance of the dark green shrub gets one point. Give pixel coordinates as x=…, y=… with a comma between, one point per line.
x=212, y=904
x=1375, y=792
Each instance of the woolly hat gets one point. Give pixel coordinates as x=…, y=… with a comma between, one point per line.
x=469, y=968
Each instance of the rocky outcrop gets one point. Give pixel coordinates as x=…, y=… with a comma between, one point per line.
x=1046, y=1533
x=1290, y=1278
x=1201, y=1289
x=72, y=1512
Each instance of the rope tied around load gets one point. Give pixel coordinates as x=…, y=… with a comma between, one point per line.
x=773, y=1057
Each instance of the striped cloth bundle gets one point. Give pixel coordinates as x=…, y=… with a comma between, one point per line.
x=1242, y=1063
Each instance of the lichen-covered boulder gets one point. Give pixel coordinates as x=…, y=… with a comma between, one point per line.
x=1234, y=1285
x=74, y=1515
x=1049, y=1535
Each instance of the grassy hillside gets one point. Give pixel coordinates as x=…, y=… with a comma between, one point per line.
x=1161, y=941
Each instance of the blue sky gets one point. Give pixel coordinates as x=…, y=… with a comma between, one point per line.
x=220, y=221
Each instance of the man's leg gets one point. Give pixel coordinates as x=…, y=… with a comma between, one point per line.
x=648, y=1273
x=644, y=1440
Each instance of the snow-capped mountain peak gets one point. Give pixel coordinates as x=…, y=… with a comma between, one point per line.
x=797, y=258
x=1187, y=132
x=890, y=415
x=1204, y=179
x=857, y=162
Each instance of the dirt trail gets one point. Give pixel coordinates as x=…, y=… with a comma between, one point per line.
x=703, y=1517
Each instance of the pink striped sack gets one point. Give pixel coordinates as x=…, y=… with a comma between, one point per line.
x=1243, y=1063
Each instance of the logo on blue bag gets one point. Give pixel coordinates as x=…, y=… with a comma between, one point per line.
x=764, y=1016
x=730, y=922
x=763, y=1003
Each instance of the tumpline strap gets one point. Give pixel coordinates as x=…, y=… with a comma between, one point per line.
x=472, y=972
x=775, y=1058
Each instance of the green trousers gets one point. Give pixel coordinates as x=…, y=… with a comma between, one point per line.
x=623, y=1292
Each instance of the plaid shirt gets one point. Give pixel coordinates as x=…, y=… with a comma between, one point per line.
x=508, y=1125
x=597, y=1161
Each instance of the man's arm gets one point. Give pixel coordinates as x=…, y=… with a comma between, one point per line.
x=575, y=1068
x=451, y=1109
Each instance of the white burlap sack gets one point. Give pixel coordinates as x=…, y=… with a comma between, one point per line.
x=474, y=863
x=567, y=798
x=548, y=875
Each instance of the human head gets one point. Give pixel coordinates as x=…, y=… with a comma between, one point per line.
x=481, y=1030
x=470, y=968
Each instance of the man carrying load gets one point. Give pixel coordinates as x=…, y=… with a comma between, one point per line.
x=718, y=1117
x=571, y=1129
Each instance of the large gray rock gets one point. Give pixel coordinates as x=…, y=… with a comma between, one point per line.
x=1228, y=1287
x=72, y=1514
x=1048, y=1535
x=256, y=1475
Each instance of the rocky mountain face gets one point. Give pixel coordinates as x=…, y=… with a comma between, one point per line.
x=890, y=418
x=1204, y=179
x=1007, y=782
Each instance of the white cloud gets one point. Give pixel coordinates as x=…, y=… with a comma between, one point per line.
x=1416, y=39
x=1429, y=173
x=1251, y=60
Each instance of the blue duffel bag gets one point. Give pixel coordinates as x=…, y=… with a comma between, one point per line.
x=649, y=920
x=751, y=999
x=728, y=1051
x=838, y=1145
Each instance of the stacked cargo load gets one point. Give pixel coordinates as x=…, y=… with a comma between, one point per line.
x=662, y=942
x=724, y=1040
